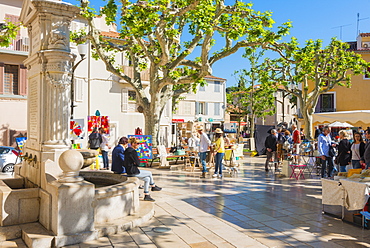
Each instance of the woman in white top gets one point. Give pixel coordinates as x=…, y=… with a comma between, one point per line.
x=357, y=150
x=104, y=147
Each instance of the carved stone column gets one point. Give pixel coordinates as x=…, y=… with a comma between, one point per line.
x=49, y=81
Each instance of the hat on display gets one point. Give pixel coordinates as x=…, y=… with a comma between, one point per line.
x=218, y=130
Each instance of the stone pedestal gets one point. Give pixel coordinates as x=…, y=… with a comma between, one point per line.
x=72, y=212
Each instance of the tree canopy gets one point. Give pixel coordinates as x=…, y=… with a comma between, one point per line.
x=251, y=98
x=176, y=42
x=308, y=71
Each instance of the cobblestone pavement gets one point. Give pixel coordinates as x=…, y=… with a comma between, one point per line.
x=255, y=209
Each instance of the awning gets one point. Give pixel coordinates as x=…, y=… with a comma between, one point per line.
x=340, y=124
x=355, y=117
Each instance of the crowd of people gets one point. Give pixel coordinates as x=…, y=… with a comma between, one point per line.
x=347, y=153
x=125, y=159
x=355, y=154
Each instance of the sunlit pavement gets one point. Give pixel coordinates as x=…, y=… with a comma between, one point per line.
x=255, y=209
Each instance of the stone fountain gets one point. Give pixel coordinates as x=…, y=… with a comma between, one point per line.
x=48, y=192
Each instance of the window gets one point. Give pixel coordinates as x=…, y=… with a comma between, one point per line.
x=217, y=86
x=124, y=100
x=11, y=79
x=131, y=95
x=367, y=73
x=201, y=108
x=326, y=103
x=216, y=108
x=202, y=88
x=78, y=89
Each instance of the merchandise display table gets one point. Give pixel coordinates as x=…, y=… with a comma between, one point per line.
x=350, y=195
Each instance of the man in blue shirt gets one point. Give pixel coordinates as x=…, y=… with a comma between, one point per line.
x=118, y=156
x=324, y=143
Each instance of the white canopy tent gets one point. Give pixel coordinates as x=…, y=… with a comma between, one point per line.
x=340, y=124
x=353, y=117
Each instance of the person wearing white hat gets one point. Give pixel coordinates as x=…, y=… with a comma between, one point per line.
x=220, y=152
x=204, y=144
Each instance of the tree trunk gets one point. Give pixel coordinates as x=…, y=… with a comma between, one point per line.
x=253, y=126
x=152, y=114
x=307, y=117
x=152, y=125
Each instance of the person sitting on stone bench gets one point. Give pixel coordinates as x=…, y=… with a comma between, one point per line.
x=118, y=156
x=131, y=164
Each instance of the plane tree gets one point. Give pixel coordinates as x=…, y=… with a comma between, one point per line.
x=250, y=98
x=308, y=71
x=177, y=41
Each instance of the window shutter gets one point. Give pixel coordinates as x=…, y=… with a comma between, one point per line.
x=78, y=89
x=22, y=80
x=206, y=108
x=124, y=100
x=1, y=78
x=197, y=108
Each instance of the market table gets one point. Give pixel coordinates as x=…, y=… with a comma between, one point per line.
x=350, y=195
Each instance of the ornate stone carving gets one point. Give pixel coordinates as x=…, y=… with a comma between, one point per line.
x=60, y=80
x=59, y=34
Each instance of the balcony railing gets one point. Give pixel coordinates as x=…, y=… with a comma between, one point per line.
x=322, y=110
x=129, y=71
x=20, y=44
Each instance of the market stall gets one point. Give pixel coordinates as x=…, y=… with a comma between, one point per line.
x=345, y=198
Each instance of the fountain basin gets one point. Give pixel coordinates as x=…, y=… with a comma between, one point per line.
x=116, y=196
x=20, y=204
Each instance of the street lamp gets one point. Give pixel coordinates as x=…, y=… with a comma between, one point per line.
x=82, y=50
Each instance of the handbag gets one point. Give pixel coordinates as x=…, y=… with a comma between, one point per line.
x=332, y=152
x=336, y=160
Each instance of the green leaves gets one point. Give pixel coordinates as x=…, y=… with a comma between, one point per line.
x=8, y=32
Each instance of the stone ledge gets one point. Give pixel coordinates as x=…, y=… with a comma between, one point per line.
x=146, y=212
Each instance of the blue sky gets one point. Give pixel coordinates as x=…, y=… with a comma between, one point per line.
x=312, y=19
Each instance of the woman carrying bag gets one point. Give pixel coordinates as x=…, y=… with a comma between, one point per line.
x=219, y=148
x=344, y=151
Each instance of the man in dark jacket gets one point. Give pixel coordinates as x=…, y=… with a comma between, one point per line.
x=118, y=156
x=95, y=139
x=271, y=147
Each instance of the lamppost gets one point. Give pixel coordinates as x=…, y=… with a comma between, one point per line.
x=82, y=50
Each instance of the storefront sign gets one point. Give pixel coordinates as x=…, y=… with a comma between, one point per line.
x=178, y=120
x=230, y=127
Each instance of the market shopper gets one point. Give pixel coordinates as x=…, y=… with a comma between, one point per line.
x=118, y=156
x=131, y=164
x=324, y=144
x=219, y=149
x=366, y=157
x=344, y=150
x=95, y=139
x=204, y=144
x=104, y=147
x=296, y=136
x=271, y=147
x=357, y=150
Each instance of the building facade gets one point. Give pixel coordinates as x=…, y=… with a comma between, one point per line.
x=348, y=104
x=206, y=107
x=13, y=78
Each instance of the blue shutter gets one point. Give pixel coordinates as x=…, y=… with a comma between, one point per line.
x=206, y=108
